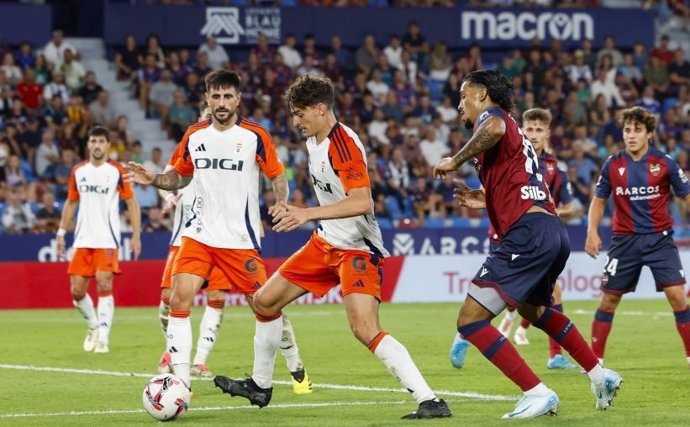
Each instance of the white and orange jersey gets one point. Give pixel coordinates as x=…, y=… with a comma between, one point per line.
x=338, y=165
x=225, y=167
x=98, y=189
x=183, y=208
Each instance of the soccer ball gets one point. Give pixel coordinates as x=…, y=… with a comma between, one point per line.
x=166, y=397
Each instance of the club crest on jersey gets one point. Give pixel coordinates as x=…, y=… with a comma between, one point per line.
x=323, y=166
x=621, y=171
x=654, y=169
x=238, y=147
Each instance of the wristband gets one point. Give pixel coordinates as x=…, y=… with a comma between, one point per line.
x=61, y=232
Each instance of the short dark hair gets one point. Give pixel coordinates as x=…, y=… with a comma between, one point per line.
x=538, y=114
x=100, y=131
x=499, y=88
x=222, y=79
x=639, y=115
x=309, y=90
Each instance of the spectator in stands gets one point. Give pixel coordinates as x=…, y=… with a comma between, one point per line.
x=291, y=56
x=425, y=111
x=398, y=177
x=648, y=101
x=76, y=110
x=48, y=215
x=393, y=108
x=367, y=54
x=30, y=91
x=102, y=110
x=59, y=173
x=25, y=57
x=148, y=74
x=90, y=89
x=611, y=50
x=155, y=221
x=385, y=68
x=47, y=153
x=54, y=51
x=663, y=51
x=656, y=76
x=607, y=88
x=414, y=42
x=440, y=62
x=15, y=174
x=579, y=69
x=43, y=70
x=263, y=50
x=161, y=96
x=217, y=56
x=631, y=71
x=155, y=163
x=10, y=69
x=147, y=197
x=309, y=49
x=128, y=59
x=678, y=73
x=153, y=47
x=73, y=70
x=393, y=52
x=433, y=148
x=55, y=113
x=17, y=218
x=342, y=56
x=180, y=116
x=377, y=87
x=56, y=87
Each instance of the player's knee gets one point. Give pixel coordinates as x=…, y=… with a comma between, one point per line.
x=364, y=333
x=180, y=302
x=78, y=294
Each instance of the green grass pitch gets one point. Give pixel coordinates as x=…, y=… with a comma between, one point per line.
x=46, y=379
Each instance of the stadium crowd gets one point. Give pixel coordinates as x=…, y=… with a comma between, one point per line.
x=400, y=95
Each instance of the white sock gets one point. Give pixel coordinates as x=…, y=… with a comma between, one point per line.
x=85, y=307
x=288, y=346
x=106, y=309
x=267, y=339
x=596, y=375
x=163, y=312
x=538, y=390
x=398, y=361
x=520, y=331
x=180, y=346
x=510, y=315
x=208, y=330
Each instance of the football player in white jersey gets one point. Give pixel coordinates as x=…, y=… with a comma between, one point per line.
x=224, y=156
x=97, y=186
x=347, y=249
x=216, y=293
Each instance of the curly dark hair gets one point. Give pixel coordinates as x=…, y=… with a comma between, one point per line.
x=99, y=130
x=639, y=115
x=308, y=90
x=499, y=88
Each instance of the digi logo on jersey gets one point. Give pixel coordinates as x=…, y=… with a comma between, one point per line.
x=532, y=192
x=88, y=188
x=323, y=186
x=223, y=164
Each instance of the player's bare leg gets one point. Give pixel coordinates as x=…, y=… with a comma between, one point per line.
x=267, y=304
x=184, y=287
x=679, y=304
x=106, y=309
x=163, y=317
x=208, y=331
x=83, y=302
x=363, y=314
x=603, y=322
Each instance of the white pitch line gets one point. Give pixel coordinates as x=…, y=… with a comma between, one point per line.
x=203, y=409
x=469, y=395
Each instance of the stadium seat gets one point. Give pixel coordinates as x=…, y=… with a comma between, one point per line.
x=435, y=90
x=434, y=223
x=393, y=207
x=460, y=222
x=384, y=223
x=668, y=104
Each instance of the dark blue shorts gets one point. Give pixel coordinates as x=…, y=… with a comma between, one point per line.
x=527, y=261
x=628, y=253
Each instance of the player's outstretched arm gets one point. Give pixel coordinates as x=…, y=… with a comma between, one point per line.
x=486, y=136
x=596, y=211
x=65, y=220
x=135, y=220
x=356, y=202
x=170, y=180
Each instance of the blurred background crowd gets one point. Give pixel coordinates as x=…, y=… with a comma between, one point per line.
x=399, y=94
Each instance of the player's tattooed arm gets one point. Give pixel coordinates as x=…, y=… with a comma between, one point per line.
x=170, y=180
x=485, y=137
x=280, y=188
